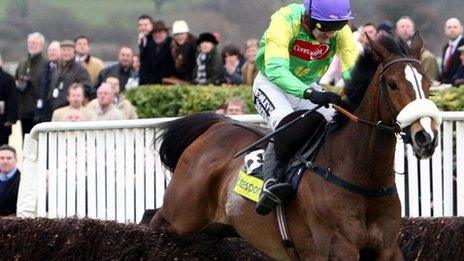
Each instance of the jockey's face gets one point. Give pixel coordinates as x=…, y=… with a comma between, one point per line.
x=323, y=36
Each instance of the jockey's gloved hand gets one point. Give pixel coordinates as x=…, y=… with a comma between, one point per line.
x=322, y=98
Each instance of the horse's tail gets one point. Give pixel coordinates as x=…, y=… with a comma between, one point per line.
x=178, y=134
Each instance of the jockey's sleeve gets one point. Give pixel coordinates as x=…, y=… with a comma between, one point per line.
x=346, y=49
x=278, y=38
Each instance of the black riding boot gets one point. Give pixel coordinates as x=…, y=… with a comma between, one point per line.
x=274, y=191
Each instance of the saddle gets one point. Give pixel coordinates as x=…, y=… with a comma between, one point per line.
x=250, y=180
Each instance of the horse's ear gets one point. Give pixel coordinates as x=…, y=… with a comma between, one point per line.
x=416, y=45
x=381, y=53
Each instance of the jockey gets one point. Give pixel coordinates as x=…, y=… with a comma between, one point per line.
x=294, y=53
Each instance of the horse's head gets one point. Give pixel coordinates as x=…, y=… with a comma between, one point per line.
x=404, y=91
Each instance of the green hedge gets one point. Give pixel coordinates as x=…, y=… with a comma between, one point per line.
x=449, y=100
x=154, y=101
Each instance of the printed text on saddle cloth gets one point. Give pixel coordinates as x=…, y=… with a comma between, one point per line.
x=421, y=108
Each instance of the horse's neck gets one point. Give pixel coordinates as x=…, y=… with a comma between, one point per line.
x=371, y=151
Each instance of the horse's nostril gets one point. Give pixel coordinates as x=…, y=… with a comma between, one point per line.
x=422, y=138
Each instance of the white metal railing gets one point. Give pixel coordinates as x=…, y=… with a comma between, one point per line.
x=110, y=170
x=434, y=187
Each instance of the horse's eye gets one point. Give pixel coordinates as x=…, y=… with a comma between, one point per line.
x=392, y=85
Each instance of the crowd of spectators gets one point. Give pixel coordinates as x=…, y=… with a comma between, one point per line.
x=66, y=82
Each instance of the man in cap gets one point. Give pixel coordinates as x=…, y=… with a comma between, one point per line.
x=69, y=72
x=294, y=53
x=156, y=61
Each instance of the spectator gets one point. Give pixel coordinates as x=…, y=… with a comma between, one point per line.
x=92, y=64
x=249, y=69
x=450, y=54
x=133, y=81
x=27, y=80
x=183, y=50
x=405, y=29
x=9, y=180
x=458, y=77
x=120, y=101
x=160, y=62
x=231, y=70
x=8, y=105
x=106, y=109
x=208, y=62
x=234, y=106
x=145, y=26
x=221, y=110
x=74, y=115
x=75, y=97
x=123, y=69
x=368, y=28
x=385, y=27
x=43, y=112
x=69, y=72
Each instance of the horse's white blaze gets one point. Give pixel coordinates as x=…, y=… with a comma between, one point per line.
x=426, y=123
x=415, y=78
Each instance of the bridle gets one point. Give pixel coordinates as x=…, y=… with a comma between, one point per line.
x=394, y=126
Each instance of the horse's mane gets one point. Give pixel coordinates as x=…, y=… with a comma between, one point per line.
x=177, y=135
x=367, y=65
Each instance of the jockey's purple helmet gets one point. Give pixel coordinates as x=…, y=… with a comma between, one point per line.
x=329, y=10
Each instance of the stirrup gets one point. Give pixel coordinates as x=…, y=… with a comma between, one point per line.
x=268, y=198
x=268, y=193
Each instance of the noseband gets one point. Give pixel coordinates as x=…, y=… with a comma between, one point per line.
x=394, y=127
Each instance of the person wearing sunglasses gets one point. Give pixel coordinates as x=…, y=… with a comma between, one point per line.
x=294, y=53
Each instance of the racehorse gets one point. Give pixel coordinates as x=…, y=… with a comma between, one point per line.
x=326, y=221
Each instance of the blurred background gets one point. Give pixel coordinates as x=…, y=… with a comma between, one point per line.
x=110, y=24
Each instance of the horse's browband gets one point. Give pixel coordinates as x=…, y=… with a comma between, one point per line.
x=404, y=59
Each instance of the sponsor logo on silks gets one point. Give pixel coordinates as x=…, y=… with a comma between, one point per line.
x=263, y=104
x=301, y=71
x=308, y=51
x=248, y=186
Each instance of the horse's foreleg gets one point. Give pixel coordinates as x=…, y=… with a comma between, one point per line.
x=158, y=221
x=342, y=249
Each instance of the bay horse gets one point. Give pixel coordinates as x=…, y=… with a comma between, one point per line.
x=325, y=221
